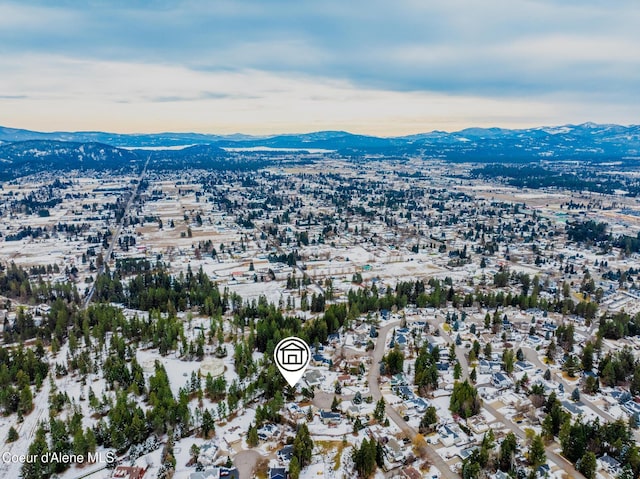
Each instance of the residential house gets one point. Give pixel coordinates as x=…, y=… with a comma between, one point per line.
x=411, y=473
x=329, y=417
x=313, y=378
x=501, y=381
x=523, y=366
x=484, y=366
x=320, y=360
x=267, y=431
x=285, y=454
x=394, y=450
x=447, y=437
x=128, y=472
x=419, y=404
x=404, y=392
x=609, y=464
x=278, y=473
x=572, y=408
x=208, y=453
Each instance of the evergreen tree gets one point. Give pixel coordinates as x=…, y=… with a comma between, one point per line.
x=394, y=361
x=587, y=356
x=537, y=455
x=364, y=458
x=587, y=465
x=252, y=436
x=378, y=413
x=12, y=436
x=457, y=371
x=575, y=395
x=26, y=400
x=508, y=360
x=335, y=404
x=303, y=445
x=294, y=468
x=429, y=420
x=38, y=448
x=208, y=425
x=508, y=450
x=464, y=400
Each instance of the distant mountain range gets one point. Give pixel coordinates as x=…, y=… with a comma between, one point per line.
x=23, y=151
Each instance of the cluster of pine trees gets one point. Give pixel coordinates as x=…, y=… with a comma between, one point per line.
x=367, y=457
x=20, y=369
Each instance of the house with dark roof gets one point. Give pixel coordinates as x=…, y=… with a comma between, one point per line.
x=609, y=464
x=442, y=366
x=320, y=360
x=447, y=437
x=267, y=431
x=216, y=473
x=543, y=471
x=404, y=392
x=501, y=381
x=572, y=408
x=523, y=366
x=466, y=453
x=329, y=417
x=277, y=473
x=285, y=454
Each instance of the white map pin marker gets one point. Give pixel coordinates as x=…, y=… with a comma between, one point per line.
x=292, y=356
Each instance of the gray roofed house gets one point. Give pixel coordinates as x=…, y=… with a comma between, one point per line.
x=523, y=365
x=610, y=464
x=313, y=377
x=216, y=473
x=328, y=417
x=501, y=381
x=420, y=404
x=285, y=454
x=405, y=392
x=395, y=451
x=277, y=473
x=572, y=408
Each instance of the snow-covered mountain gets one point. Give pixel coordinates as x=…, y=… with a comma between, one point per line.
x=25, y=151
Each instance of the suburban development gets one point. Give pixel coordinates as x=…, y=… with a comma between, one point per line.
x=464, y=319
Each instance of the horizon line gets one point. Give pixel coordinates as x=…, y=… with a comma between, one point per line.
x=310, y=132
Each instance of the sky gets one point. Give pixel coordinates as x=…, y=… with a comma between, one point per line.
x=377, y=67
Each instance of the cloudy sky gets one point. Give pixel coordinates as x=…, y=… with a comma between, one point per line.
x=268, y=66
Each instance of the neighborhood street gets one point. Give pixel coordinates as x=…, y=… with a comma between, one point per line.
x=374, y=387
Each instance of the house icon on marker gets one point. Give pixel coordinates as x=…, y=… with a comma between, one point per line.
x=292, y=354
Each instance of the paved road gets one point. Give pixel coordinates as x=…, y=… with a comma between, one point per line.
x=561, y=461
x=246, y=462
x=323, y=400
x=116, y=235
x=374, y=387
